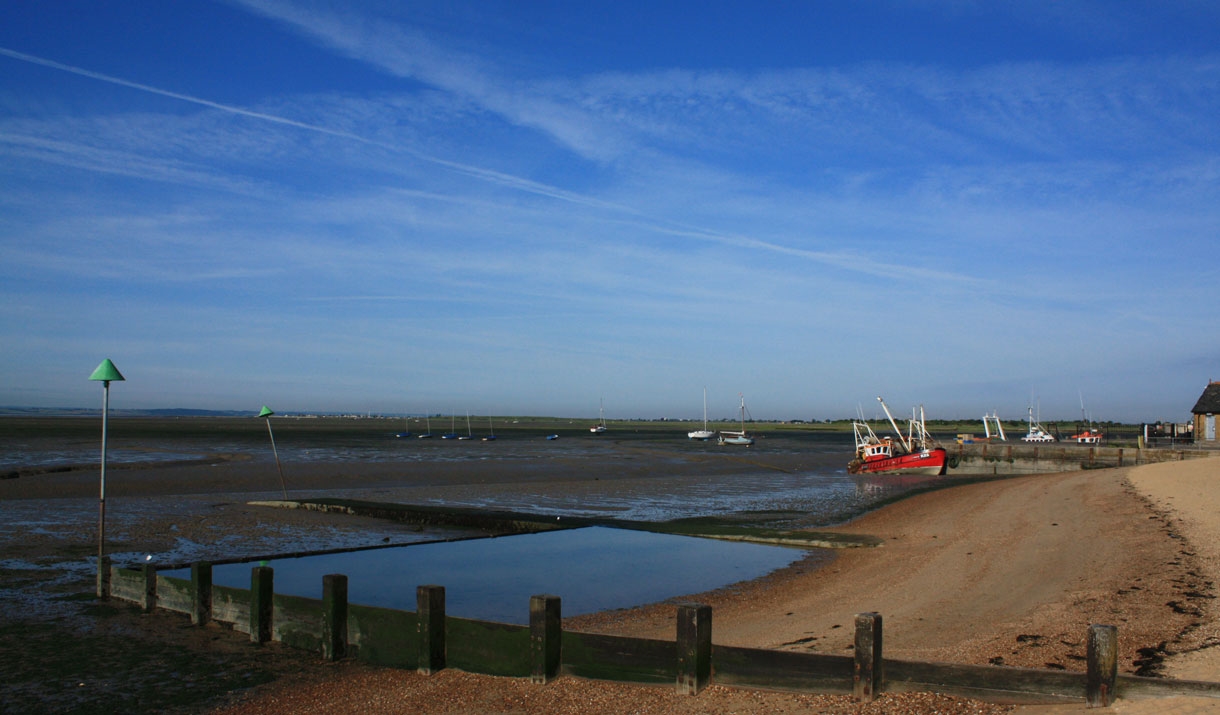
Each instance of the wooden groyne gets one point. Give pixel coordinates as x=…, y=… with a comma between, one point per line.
x=428, y=640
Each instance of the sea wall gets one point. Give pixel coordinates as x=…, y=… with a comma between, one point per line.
x=1001, y=458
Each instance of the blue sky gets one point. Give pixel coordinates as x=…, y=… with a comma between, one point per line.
x=529, y=207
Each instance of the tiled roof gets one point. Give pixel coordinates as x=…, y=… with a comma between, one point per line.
x=1209, y=401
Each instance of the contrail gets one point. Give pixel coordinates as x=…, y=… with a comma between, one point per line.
x=183, y=97
x=509, y=180
x=483, y=174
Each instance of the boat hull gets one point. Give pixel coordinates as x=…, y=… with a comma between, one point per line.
x=928, y=462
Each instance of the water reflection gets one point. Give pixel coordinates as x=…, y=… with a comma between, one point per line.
x=591, y=569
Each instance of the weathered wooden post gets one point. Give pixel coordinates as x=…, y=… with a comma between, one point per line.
x=261, y=595
x=430, y=622
x=149, y=600
x=694, y=648
x=103, y=577
x=1102, y=668
x=546, y=635
x=334, y=616
x=201, y=592
x=869, y=677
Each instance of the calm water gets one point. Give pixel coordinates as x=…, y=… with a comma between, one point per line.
x=591, y=569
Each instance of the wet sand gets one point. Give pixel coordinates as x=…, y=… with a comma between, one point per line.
x=1008, y=572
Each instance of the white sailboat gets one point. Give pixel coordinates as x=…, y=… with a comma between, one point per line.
x=469, y=434
x=600, y=427
x=729, y=437
x=704, y=434
x=428, y=434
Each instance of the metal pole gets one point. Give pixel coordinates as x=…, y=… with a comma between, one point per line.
x=101, y=500
x=283, y=486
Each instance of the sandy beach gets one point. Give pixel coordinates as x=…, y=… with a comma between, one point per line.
x=1007, y=572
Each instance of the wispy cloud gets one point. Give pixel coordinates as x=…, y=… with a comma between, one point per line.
x=604, y=224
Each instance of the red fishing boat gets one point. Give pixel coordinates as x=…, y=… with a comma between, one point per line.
x=915, y=453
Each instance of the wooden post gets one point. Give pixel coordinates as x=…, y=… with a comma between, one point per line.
x=430, y=622
x=334, y=616
x=149, y=602
x=546, y=635
x=201, y=592
x=869, y=677
x=262, y=592
x=103, y=577
x=1102, y=674
x=694, y=648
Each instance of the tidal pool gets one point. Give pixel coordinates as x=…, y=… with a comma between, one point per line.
x=590, y=569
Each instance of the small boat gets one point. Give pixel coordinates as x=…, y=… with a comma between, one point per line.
x=702, y=434
x=1088, y=435
x=406, y=429
x=729, y=437
x=915, y=453
x=552, y=436
x=1036, y=432
x=452, y=433
x=469, y=435
x=600, y=427
x=428, y=434
x=491, y=432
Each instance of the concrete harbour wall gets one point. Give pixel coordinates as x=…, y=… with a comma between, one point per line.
x=1004, y=458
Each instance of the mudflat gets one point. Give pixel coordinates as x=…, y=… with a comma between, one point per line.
x=1007, y=572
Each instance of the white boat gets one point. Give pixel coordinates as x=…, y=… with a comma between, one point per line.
x=1036, y=432
x=469, y=434
x=428, y=434
x=702, y=434
x=600, y=427
x=730, y=437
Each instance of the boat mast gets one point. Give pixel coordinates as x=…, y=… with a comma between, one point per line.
x=905, y=444
x=705, y=408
